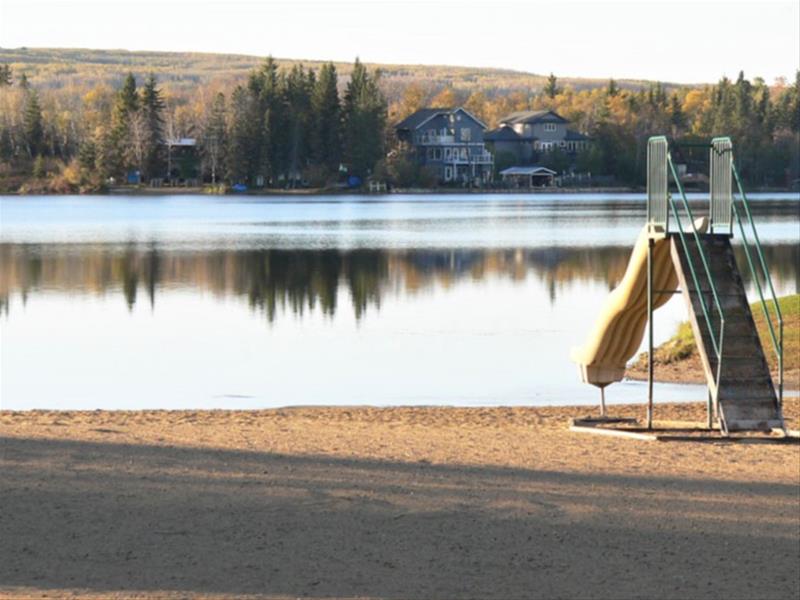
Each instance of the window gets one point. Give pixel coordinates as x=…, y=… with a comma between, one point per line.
x=466, y=134
x=550, y=127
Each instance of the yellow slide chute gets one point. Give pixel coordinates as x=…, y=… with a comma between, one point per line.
x=619, y=329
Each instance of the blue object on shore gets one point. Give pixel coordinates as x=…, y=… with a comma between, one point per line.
x=354, y=181
x=239, y=187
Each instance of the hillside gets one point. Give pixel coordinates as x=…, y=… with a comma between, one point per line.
x=63, y=67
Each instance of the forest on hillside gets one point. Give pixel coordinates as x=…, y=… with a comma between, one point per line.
x=69, y=123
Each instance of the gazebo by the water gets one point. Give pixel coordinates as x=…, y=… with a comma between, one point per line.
x=531, y=176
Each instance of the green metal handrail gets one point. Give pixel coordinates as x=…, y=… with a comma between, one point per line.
x=717, y=345
x=777, y=342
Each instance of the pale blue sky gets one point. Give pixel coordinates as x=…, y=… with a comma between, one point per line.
x=671, y=41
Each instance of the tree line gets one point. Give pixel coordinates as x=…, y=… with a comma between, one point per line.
x=283, y=126
x=764, y=122
x=278, y=128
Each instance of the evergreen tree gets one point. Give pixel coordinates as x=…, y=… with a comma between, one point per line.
x=6, y=78
x=551, y=88
x=273, y=134
x=117, y=155
x=298, y=102
x=87, y=155
x=364, y=120
x=32, y=125
x=6, y=146
x=152, y=112
x=239, y=137
x=327, y=118
x=676, y=116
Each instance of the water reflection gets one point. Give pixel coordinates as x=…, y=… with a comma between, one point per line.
x=275, y=280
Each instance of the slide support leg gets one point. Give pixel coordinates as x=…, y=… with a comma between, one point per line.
x=650, y=245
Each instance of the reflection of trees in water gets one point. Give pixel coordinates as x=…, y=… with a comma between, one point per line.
x=299, y=280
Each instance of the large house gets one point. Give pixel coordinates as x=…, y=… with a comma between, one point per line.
x=528, y=134
x=448, y=141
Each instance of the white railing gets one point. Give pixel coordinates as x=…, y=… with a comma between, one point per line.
x=484, y=158
x=436, y=139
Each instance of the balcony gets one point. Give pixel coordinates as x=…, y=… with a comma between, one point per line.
x=477, y=158
x=435, y=139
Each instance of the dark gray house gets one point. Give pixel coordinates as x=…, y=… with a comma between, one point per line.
x=527, y=135
x=450, y=142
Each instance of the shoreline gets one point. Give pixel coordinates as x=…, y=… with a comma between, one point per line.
x=202, y=191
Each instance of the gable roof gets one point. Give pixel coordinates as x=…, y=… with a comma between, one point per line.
x=423, y=115
x=533, y=116
x=531, y=170
x=504, y=133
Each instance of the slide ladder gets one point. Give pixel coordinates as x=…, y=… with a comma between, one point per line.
x=742, y=395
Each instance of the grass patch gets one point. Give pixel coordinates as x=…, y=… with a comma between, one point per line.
x=681, y=346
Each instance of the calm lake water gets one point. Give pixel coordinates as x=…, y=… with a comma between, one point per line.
x=243, y=302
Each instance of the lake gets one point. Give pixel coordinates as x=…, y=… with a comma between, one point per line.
x=253, y=302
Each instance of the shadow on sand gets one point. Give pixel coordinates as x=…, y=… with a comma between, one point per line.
x=110, y=517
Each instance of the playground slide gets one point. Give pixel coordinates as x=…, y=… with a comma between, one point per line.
x=619, y=329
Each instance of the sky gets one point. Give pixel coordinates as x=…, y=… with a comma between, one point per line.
x=686, y=42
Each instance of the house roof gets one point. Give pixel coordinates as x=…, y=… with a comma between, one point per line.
x=533, y=116
x=504, y=133
x=423, y=115
x=416, y=119
x=531, y=170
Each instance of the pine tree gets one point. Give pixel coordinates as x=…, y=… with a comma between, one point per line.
x=152, y=112
x=676, y=116
x=273, y=134
x=298, y=102
x=32, y=125
x=239, y=137
x=87, y=155
x=118, y=154
x=364, y=120
x=6, y=146
x=551, y=88
x=6, y=78
x=327, y=118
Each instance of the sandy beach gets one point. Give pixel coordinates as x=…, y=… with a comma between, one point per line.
x=389, y=503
